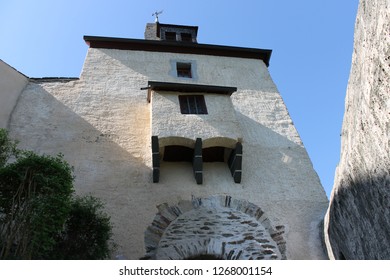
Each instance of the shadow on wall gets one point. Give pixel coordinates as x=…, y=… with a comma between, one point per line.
x=359, y=219
x=102, y=167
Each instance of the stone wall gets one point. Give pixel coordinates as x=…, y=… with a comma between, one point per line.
x=151, y=32
x=219, y=225
x=357, y=224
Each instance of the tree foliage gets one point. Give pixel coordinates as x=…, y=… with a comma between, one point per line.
x=40, y=218
x=87, y=225
x=8, y=147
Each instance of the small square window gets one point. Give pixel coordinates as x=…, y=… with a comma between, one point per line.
x=170, y=36
x=184, y=70
x=192, y=104
x=186, y=37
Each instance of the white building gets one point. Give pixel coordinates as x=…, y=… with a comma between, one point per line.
x=189, y=145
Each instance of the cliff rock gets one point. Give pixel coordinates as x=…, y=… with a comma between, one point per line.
x=357, y=224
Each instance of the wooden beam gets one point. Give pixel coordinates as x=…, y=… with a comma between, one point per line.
x=198, y=161
x=235, y=163
x=155, y=159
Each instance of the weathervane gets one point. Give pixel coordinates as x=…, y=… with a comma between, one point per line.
x=156, y=14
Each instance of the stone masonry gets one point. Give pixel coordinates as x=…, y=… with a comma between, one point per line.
x=218, y=225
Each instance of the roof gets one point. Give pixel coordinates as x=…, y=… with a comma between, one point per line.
x=177, y=47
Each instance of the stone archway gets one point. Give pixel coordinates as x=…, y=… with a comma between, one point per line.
x=219, y=226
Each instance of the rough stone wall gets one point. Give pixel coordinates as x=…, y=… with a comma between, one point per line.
x=219, y=225
x=151, y=32
x=357, y=224
x=102, y=124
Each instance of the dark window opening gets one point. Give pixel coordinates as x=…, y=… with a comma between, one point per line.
x=186, y=37
x=176, y=153
x=184, y=70
x=170, y=36
x=182, y=153
x=192, y=104
x=197, y=156
x=213, y=154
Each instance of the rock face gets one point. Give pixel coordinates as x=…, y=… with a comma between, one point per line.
x=357, y=224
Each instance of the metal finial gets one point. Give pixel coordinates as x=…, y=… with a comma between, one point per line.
x=156, y=14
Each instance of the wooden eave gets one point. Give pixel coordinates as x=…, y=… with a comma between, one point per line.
x=177, y=47
x=182, y=87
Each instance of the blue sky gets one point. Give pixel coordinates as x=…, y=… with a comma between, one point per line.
x=312, y=43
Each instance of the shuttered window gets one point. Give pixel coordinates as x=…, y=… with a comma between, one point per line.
x=192, y=104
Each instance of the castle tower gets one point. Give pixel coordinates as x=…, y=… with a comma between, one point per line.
x=189, y=145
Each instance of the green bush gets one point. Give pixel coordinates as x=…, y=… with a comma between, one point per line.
x=86, y=231
x=7, y=147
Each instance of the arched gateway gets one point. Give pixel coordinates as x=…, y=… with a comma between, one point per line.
x=216, y=227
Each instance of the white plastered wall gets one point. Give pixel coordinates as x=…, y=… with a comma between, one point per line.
x=12, y=84
x=102, y=124
x=219, y=122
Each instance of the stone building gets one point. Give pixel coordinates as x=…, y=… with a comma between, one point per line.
x=189, y=145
